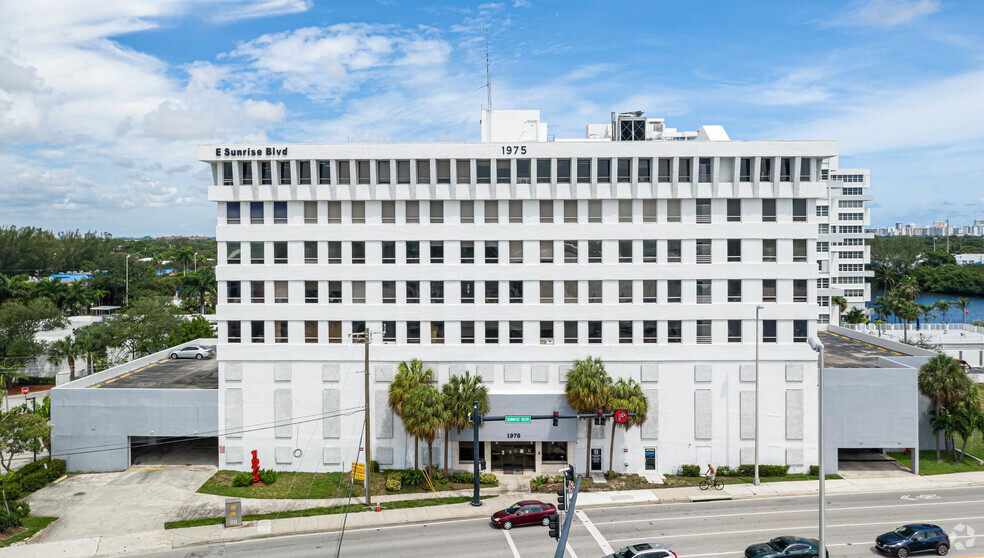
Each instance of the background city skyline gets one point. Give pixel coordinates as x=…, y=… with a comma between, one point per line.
x=102, y=107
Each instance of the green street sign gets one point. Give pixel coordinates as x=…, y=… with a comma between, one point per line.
x=517, y=419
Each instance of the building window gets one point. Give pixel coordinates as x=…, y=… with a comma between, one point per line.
x=310, y=292
x=266, y=173
x=734, y=249
x=665, y=174
x=256, y=253
x=467, y=251
x=516, y=251
x=806, y=170
x=785, y=169
x=734, y=331
x=765, y=170
x=543, y=170
x=413, y=251
x=413, y=292
x=673, y=251
x=683, y=172
x=468, y=332
x=546, y=333
x=625, y=331
x=649, y=291
x=491, y=292
x=703, y=291
x=484, y=171
x=703, y=247
x=645, y=170
x=594, y=332
x=584, y=170
x=570, y=332
x=412, y=211
x=256, y=213
x=413, y=332
x=279, y=252
x=334, y=212
x=546, y=251
x=334, y=292
x=234, y=292
x=800, y=331
x=232, y=213
x=437, y=331
x=304, y=170
x=423, y=172
x=625, y=211
x=358, y=252
x=491, y=211
x=674, y=289
x=703, y=211
x=799, y=290
x=388, y=212
x=247, y=173
x=310, y=252
x=358, y=292
x=467, y=292
x=768, y=290
x=650, y=211
x=570, y=251
x=436, y=251
x=285, y=172
x=389, y=332
x=491, y=333
x=334, y=332
x=436, y=212
x=546, y=292
x=799, y=210
x=769, y=250
x=389, y=252
x=704, y=170
x=515, y=332
x=389, y=292
x=734, y=290
x=564, y=171
x=467, y=211
x=443, y=171
x=491, y=252
x=625, y=291
x=256, y=332
x=625, y=251
x=523, y=171
x=594, y=251
x=674, y=331
x=595, y=292
x=703, y=332
x=310, y=212
x=768, y=211
x=279, y=331
x=734, y=211
x=673, y=211
x=515, y=292
x=570, y=292
x=324, y=172
x=280, y=292
x=503, y=171
x=604, y=171
x=649, y=251
x=363, y=173
x=594, y=211
x=334, y=252
x=546, y=211
x=745, y=170
x=570, y=211
x=235, y=332
x=649, y=331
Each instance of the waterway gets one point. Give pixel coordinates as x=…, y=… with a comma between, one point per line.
x=975, y=308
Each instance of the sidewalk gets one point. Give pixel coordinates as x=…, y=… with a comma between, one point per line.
x=210, y=534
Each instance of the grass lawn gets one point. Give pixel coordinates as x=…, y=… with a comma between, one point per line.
x=313, y=485
x=33, y=524
x=635, y=482
x=355, y=507
x=929, y=466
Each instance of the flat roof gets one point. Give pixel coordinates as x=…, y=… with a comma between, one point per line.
x=182, y=373
x=841, y=351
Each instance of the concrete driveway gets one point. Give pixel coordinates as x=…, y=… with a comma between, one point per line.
x=132, y=501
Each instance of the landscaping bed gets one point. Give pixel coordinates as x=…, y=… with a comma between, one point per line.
x=551, y=484
x=331, y=485
x=929, y=466
x=31, y=525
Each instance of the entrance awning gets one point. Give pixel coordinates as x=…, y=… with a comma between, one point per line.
x=534, y=431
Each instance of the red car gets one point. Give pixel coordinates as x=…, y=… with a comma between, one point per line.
x=527, y=512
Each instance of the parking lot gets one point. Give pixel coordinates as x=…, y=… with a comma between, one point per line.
x=169, y=374
x=844, y=352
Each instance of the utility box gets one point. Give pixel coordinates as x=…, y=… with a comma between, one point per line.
x=233, y=512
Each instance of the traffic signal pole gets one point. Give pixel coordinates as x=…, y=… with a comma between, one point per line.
x=562, y=543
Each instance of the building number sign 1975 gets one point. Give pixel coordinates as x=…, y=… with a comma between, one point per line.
x=512, y=435
x=514, y=150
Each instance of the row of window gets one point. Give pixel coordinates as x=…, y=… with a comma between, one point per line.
x=519, y=211
x=494, y=292
x=513, y=251
x=508, y=171
x=512, y=332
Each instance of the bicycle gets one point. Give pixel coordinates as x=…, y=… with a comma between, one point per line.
x=706, y=483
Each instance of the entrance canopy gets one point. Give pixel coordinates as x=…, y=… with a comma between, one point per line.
x=533, y=431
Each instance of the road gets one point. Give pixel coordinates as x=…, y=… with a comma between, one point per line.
x=707, y=529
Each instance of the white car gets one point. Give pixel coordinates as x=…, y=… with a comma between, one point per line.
x=193, y=351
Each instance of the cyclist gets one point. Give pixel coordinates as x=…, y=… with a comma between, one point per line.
x=711, y=474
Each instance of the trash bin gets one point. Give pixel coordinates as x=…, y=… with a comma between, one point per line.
x=233, y=512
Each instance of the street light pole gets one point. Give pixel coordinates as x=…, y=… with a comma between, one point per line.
x=756, y=480
x=817, y=346
x=196, y=262
x=126, y=298
x=366, y=340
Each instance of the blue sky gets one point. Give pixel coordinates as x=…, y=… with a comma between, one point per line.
x=102, y=104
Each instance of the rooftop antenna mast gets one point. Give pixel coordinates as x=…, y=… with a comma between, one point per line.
x=488, y=71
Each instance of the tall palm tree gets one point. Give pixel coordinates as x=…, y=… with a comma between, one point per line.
x=78, y=296
x=841, y=304
x=423, y=416
x=943, y=381
x=908, y=288
x=627, y=396
x=908, y=312
x=965, y=417
x=588, y=387
x=944, y=307
x=52, y=289
x=458, y=400
x=409, y=375
x=184, y=257
x=65, y=349
x=883, y=306
x=198, y=286
x=926, y=311
x=962, y=304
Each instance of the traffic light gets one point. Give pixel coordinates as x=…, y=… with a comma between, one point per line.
x=561, y=499
x=599, y=419
x=569, y=474
x=556, y=416
x=553, y=522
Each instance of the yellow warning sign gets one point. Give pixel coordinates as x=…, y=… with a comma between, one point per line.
x=359, y=471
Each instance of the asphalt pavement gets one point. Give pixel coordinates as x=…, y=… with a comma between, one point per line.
x=692, y=530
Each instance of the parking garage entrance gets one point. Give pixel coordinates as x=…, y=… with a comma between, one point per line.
x=154, y=451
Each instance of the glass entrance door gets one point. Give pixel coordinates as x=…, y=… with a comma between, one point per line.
x=514, y=456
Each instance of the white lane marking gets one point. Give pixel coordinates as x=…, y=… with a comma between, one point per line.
x=803, y=510
x=605, y=547
x=571, y=551
x=797, y=527
x=512, y=545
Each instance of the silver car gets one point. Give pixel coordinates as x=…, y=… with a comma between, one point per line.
x=644, y=550
x=193, y=351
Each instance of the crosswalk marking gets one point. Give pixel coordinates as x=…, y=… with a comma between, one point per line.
x=512, y=545
x=605, y=547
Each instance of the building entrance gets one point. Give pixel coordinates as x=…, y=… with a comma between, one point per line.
x=514, y=457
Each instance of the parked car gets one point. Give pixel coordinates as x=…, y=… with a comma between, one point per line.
x=784, y=546
x=964, y=364
x=916, y=537
x=193, y=351
x=644, y=550
x=526, y=512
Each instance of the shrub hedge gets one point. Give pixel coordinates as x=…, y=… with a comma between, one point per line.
x=690, y=470
x=394, y=481
x=268, y=476
x=242, y=480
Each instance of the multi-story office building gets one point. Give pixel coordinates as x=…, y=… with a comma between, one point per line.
x=675, y=257
x=842, y=254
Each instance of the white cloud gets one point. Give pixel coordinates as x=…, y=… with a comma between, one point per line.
x=240, y=9
x=885, y=13
x=522, y=4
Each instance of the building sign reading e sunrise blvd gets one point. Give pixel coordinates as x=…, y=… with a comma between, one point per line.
x=251, y=152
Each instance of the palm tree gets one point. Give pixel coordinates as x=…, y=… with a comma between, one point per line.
x=627, y=396
x=65, y=349
x=52, y=289
x=926, y=311
x=944, y=307
x=199, y=286
x=587, y=388
x=884, y=306
x=78, y=296
x=184, y=257
x=908, y=288
x=841, y=304
x=962, y=304
x=966, y=416
x=908, y=312
x=855, y=316
x=408, y=377
x=423, y=416
x=458, y=400
x=943, y=381
x=14, y=287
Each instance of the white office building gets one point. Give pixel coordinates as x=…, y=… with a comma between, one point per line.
x=841, y=251
x=510, y=258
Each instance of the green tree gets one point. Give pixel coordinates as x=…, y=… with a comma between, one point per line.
x=962, y=304
x=944, y=382
x=907, y=312
x=855, y=316
x=841, y=304
x=927, y=312
x=145, y=326
x=195, y=328
x=184, y=257
x=93, y=341
x=14, y=287
x=53, y=290
x=908, y=289
x=77, y=296
x=626, y=395
x=21, y=432
x=409, y=375
x=199, y=286
x=966, y=415
x=937, y=258
x=423, y=416
x=943, y=306
x=65, y=349
x=588, y=387
x=458, y=397
x=19, y=326
x=884, y=306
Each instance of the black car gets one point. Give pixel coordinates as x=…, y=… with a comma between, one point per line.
x=784, y=546
x=917, y=537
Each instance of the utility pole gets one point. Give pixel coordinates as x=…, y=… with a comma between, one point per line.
x=126, y=299
x=365, y=340
x=947, y=235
